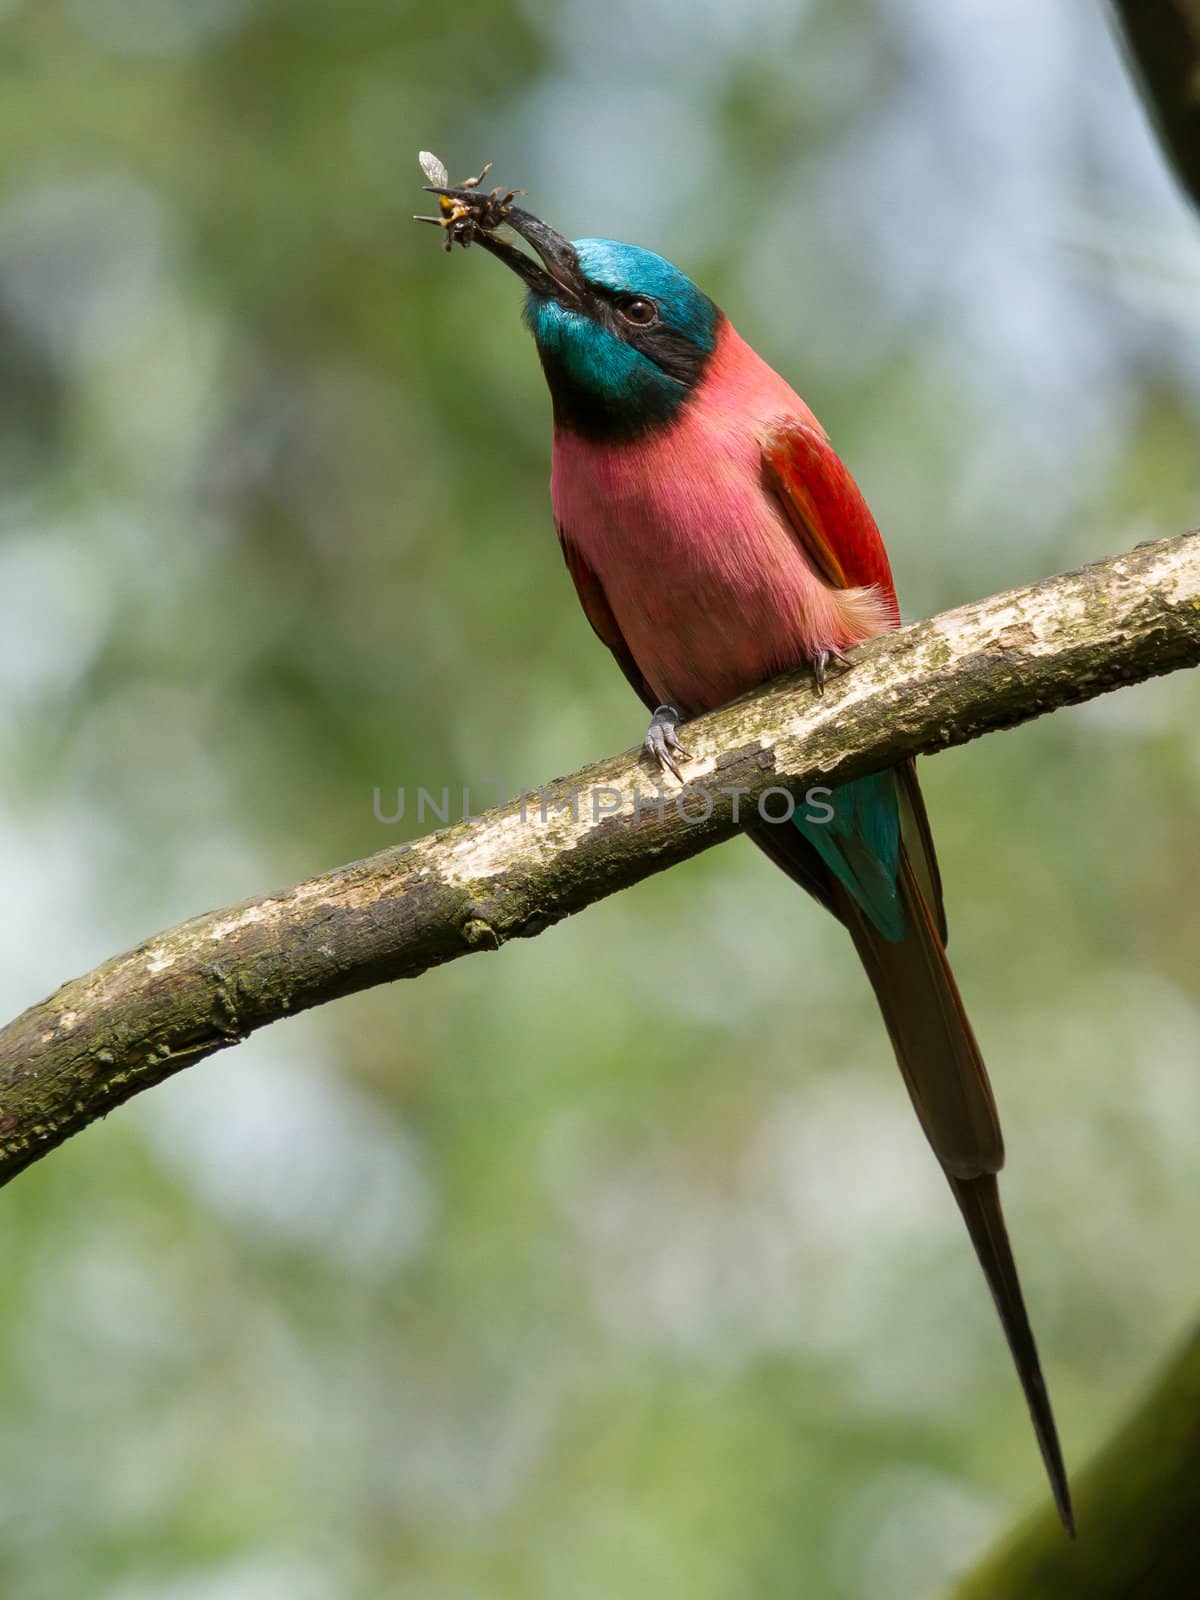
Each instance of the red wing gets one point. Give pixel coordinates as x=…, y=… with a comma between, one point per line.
x=839, y=535
x=599, y=613
x=827, y=511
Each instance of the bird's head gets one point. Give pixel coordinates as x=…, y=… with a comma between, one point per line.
x=624, y=337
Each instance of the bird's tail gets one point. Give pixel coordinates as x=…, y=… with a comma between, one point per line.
x=948, y=1083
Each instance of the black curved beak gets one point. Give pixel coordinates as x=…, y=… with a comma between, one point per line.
x=555, y=277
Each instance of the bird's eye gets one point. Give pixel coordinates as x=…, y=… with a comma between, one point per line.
x=639, y=311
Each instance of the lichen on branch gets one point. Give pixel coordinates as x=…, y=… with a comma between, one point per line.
x=516, y=870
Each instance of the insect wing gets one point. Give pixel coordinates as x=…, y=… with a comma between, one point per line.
x=434, y=169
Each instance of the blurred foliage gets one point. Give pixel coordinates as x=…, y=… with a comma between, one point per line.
x=612, y=1265
x=1139, y=1511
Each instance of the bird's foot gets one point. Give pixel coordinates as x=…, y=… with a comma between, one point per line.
x=820, y=663
x=662, y=741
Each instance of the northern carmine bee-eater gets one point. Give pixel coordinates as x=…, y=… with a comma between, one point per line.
x=716, y=540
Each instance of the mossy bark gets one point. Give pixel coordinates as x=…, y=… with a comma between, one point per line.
x=516, y=870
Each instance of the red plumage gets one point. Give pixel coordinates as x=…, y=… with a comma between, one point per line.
x=719, y=549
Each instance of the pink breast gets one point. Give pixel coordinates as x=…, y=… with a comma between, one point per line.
x=706, y=579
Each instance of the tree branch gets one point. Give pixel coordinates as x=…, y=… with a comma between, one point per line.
x=1138, y=1505
x=1164, y=43
x=512, y=873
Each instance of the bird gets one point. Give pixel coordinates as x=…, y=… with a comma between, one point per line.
x=716, y=539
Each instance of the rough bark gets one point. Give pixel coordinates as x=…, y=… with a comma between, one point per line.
x=1164, y=43
x=511, y=873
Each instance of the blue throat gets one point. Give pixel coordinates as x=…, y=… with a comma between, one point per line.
x=608, y=380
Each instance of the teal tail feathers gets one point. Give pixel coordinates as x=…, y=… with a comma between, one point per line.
x=873, y=865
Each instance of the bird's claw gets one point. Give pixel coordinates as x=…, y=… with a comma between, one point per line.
x=662, y=741
x=821, y=661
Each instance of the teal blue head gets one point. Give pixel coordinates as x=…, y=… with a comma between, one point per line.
x=624, y=337
x=627, y=356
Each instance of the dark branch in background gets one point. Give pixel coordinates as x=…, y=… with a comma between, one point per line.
x=1138, y=1501
x=1138, y=1504
x=208, y=983
x=1164, y=42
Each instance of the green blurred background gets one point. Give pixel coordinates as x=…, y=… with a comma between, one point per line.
x=613, y=1265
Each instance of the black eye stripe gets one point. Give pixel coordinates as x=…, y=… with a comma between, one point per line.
x=621, y=300
x=677, y=356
